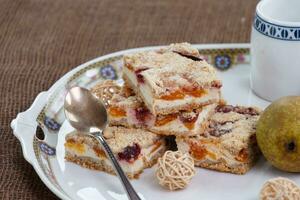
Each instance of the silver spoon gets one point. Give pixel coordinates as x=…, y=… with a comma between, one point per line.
x=88, y=115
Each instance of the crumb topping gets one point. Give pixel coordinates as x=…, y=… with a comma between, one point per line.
x=124, y=102
x=188, y=116
x=193, y=76
x=173, y=68
x=153, y=59
x=229, y=135
x=118, y=138
x=232, y=120
x=184, y=49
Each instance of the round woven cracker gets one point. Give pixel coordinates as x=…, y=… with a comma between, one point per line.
x=175, y=170
x=280, y=189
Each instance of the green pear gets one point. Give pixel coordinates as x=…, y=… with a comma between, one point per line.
x=278, y=133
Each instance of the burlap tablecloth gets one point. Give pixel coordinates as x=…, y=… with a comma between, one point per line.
x=40, y=40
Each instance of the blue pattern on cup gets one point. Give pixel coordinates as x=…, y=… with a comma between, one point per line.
x=276, y=31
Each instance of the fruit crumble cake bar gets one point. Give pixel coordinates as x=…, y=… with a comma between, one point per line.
x=135, y=150
x=127, y=109
x=172, y=79
x=229, y=142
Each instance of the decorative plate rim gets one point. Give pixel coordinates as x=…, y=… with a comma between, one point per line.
x=25, y=124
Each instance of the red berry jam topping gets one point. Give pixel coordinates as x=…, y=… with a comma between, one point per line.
x=224, y=108
x=139, y=76
x=142, y=114
x=216, y=84
x=246, y=111
x=237, y=109
x=218, y=129
x=130, y=153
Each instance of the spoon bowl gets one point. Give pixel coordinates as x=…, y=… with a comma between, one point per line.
x=85, y=111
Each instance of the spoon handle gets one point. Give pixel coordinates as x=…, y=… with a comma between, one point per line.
x=131, y=193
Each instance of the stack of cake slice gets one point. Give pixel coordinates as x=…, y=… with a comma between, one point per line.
x=172, y=80
x=136, y=149
x=228, y=144
x=175, y=89
x=170, y=91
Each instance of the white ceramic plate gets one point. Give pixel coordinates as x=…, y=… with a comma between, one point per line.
x=69, y=181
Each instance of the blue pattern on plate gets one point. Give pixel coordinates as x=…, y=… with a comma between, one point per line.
x=276, y=31
x=222, y=61
x=51, y=124
x=108, y=72
x=47, y=149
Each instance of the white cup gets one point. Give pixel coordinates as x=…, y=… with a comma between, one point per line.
x=275, y=49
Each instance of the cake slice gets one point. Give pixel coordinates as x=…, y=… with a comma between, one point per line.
x=172, y=79
x=135, y=149
x=126, y=109
x=229, y=142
